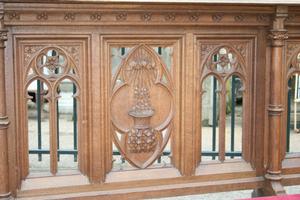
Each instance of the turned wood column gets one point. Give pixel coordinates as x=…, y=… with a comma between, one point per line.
x=4, y=184
x=277, y=35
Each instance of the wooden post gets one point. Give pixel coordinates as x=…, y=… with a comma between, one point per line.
x=4, y=184
x=277, y=35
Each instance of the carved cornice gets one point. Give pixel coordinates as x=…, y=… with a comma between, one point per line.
x=133, y=17
x=4, y=122
x=278, y=37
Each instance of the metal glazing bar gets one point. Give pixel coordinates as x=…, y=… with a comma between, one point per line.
x=122, y=51
x=211, y=153
x=159, y=50
x=60, y=152
x=232, y=114
x=75, y=122
x=57, y=128
x=288, y=128
x=214, y=117
x=39, y=117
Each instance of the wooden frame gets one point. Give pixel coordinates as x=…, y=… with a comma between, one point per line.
x=243, y=29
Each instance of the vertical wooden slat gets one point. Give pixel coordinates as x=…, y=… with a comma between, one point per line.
x=222, y=123
x=53, y=133
x=190, y=141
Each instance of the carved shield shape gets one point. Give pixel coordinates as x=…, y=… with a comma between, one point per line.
x=142, y=106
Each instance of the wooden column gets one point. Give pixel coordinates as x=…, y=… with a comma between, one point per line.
x=277, y=35
x=4, y=185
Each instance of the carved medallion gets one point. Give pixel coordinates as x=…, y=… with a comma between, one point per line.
x=142, y=107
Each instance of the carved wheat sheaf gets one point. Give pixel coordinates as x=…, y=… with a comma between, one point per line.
x=142, y=107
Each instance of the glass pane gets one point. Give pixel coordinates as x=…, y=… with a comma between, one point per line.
x=166, y=54
x=67, y=126
x=210, y=118
x=293, y=118
x=117, y=54
x=234, y=117
x=38, y=127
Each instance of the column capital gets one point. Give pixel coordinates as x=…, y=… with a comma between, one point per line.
x=278, y=37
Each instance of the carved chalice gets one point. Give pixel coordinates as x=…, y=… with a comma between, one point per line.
x=141, y=138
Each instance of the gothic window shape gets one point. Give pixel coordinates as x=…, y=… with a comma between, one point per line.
x=222, y=90
x=293, y=108
x=52, y=87
x=210, y=120
x=141, y=121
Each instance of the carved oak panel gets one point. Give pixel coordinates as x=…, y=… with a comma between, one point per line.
x=142, y=106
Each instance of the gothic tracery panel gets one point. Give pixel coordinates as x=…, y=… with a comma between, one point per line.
x=50, y=73
x=223, y=82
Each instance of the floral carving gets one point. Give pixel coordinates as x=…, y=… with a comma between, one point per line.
x=291, y=17
x=73, y=51
x=42, y=16
x=291, y=48
x=170, y=17
x=29, y=51
x=217, y=17
x=121, y=17
x=14, y=16
x=146, y=17
x=194, y=17
x=96, y=17
x=278, y=37
x=262, y=18
x=206, y=49
x=69, y=16
x=239, y=18
x=223, y=60
x=241, y=48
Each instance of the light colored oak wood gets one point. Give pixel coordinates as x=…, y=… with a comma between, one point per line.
x=196, y=32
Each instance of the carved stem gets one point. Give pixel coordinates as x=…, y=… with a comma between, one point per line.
x=4, y=184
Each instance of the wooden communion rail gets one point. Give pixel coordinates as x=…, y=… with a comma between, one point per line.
x=149, y=86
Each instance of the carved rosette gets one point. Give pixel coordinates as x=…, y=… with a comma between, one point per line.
x=142, y=107
x=223, y=60
x=49, y=63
